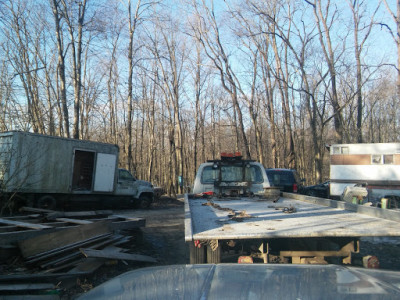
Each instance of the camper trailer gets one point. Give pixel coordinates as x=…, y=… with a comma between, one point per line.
x=375, y=166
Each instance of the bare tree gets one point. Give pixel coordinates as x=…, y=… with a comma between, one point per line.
x=61, y=66
x=396, y=36
x=170, y=54
x=365, y=30
x=133, y=22
x=76, y=35
x=200, y=76
x=208, y=33
x=323, y=21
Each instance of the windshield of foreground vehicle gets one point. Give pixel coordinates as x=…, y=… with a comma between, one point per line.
x=251, y=281
x=232, y=174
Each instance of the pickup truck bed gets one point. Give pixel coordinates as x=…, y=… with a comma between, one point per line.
x=225, y=219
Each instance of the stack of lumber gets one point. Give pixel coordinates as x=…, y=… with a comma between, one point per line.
x=47, y=247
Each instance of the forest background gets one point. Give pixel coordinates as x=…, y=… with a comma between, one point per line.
x=175, y=83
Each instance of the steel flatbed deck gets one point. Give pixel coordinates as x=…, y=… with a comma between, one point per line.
x=214, y=218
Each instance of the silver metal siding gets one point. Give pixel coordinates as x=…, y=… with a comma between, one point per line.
x=44, y=164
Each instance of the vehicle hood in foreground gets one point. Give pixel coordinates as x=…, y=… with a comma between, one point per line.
x=252, y=281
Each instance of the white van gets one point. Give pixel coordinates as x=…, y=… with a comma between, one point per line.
x=231, y=175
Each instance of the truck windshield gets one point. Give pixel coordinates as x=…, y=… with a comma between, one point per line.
x=232, y=174
x=125, y=175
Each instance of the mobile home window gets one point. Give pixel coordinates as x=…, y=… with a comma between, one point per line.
x=376, y=159
x=336, y=150
x=388, y=159
x=340, y=150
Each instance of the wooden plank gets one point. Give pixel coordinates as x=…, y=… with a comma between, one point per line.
x=113, y=254
x=63, y=259
x=59, y=251
x=74, y=221
x=41, y=277
x=36, y=210
x=24, y=224
x=12, y=237
x=46, y=242
x=26, y=286
x=24, y=217
x=65, y=266
x=128, y=224
x=70, y=214
x=30, y=297
x=88, y=266
x=78, y=214
x=124, y=240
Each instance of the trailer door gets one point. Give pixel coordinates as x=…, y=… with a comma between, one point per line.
x=82, y=177
x=105, y=172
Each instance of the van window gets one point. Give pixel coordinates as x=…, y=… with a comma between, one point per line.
x=232, y=174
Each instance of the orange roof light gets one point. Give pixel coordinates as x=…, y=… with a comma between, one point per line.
x=226, y=154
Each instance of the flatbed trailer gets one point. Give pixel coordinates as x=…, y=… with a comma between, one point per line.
x=294, y=229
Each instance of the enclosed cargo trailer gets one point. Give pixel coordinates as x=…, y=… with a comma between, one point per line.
x=48, y=171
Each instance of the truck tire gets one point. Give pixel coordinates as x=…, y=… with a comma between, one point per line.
x=144, y=202
x=197, y=255
x=46, y=202
x=214, y=256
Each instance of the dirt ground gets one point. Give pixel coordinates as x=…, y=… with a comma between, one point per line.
x=163, y=239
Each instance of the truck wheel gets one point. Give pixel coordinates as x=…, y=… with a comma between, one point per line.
x=46, y=202
x=214, y=256
x=197, y=255
x=144, y=202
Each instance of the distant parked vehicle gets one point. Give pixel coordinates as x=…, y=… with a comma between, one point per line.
x=318, y=190
x=288, y=180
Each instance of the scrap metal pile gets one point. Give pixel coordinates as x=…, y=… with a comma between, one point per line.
x=41, y=250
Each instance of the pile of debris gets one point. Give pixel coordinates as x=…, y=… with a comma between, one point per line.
x=41, y=250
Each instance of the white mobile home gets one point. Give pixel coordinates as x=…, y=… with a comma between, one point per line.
x=375, y=165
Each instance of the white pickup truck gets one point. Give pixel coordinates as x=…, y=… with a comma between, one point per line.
x=233, y=216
